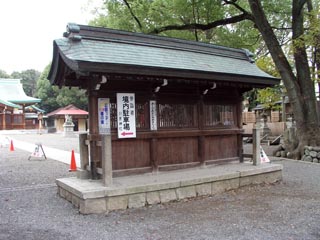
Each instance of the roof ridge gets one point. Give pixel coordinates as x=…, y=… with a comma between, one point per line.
x=79, y=32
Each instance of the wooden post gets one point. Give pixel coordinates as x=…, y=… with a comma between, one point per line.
x=256, y=145
x=23, y=117
x=201, y=139
x=201, y=150
x=239, y=125
x=93, y=132
x=106, y=148
x=153, y=154
x=240, y=148
x=4, y=118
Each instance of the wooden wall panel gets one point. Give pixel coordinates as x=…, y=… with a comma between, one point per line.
x=130, y=153
x=177, y=150
x=220, y=147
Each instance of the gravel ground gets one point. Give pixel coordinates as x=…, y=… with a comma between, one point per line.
x=30, y=209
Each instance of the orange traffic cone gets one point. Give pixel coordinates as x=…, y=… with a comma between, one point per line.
x=11, y=146
x=73, y=165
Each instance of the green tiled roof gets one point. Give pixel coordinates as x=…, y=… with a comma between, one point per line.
x=9, y=104
x=11, y=90
x=109, y=48
x=153, y=56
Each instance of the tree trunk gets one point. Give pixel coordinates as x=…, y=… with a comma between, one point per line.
x=300, y=87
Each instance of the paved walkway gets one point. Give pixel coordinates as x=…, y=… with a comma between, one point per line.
x=52, y=144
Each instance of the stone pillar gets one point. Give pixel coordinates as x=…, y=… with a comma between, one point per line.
x=256, y=145
x=106, y=148
x=83, y=173
x=264, y=129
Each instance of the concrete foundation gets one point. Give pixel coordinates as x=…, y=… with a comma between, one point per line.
x=91, y=196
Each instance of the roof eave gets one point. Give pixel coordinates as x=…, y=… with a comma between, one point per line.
x=107, y=68
x=175, y=73
x=60, y=65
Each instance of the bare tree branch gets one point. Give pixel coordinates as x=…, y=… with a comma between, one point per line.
x=132, y=14
x=203, y=27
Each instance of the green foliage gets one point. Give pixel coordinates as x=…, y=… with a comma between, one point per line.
x=312, y=39
x=251, y=96
x=158, y=13
x=269, y=96
x=53, y=98
x=45, y=91
x=28, y=79
x=266, y=64
x=3, y=74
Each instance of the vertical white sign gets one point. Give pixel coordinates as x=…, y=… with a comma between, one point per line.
x=153, y=115
x=104, y=116
x=126, y=114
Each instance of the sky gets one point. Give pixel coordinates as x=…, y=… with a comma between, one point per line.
x=28, y=28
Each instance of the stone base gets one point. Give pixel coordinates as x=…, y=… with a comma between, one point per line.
x=90, y=196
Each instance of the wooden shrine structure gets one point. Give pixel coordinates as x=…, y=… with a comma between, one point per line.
x=15, y=106
x=78, y=116
x=165, y=103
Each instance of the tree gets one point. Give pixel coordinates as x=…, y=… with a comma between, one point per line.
x=53, y=98
x=29, y=80
x=3, y=74
x=298, y=82
x=269, y=96
x=46, y=93
x=278, y=23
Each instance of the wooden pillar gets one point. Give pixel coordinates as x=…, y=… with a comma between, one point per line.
x=154, y=141
x=93, y=133
x=201, y=150
x=239, y=125
x=201, y=139
x=240, y=148
x=106, y=160
x=256, y=145
x=4, y=118
x=153, y=154
x=23, y=117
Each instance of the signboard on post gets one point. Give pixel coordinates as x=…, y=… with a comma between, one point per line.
x=153, y=115
x=104, y=116
x=126, y=114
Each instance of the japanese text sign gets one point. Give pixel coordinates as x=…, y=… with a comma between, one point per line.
x=153, y=115
x=126, y=115
x=104, y=115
